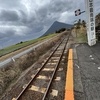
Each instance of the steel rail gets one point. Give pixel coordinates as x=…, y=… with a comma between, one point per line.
x=23, y=91
x=55, y=70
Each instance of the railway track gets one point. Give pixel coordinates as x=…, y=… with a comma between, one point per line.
x=39, y=86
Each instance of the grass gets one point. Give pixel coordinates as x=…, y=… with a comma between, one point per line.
x=82, y=38
x=80, y=35
x=18, y=46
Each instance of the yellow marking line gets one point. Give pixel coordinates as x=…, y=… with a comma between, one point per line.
x=69, y=93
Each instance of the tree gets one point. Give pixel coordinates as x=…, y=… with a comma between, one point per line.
x=21, y=42
x=60, y=30
x=78, y=24
x=83, y=23
x=97, y=19
x=79, y=21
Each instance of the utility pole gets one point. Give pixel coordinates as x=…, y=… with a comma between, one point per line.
x=90, y=22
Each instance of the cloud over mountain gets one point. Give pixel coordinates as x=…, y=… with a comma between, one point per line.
x=21, y=20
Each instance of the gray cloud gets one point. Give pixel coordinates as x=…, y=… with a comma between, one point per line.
x=11, y=4
x=23, y=17
x=26, y=19
x=8, y=15
x=60, y=5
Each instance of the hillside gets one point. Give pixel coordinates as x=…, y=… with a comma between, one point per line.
x=56, y=26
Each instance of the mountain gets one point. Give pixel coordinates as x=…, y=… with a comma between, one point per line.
x=56, y=26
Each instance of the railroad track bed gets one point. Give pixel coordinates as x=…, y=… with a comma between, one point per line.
x=49, y=82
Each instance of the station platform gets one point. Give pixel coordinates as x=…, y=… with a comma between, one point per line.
x=83, y=72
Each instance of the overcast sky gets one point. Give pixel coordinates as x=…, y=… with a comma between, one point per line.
x=22, y=20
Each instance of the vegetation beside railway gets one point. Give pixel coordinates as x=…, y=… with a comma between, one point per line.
x=20, y=45
x=80, y=35
x=79, y=30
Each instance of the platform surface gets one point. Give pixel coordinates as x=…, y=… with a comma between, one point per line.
x=86, y=66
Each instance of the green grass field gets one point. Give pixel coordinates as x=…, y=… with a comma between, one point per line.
x=82, y=38
x=18, y=46
x=80, y=35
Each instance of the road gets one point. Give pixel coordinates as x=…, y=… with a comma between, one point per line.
x=22, y=53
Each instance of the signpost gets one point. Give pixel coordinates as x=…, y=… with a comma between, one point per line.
x=90, y=22
x=77, y=12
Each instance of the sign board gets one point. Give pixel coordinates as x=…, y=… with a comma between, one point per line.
x=77, y=12
x=90, y=22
